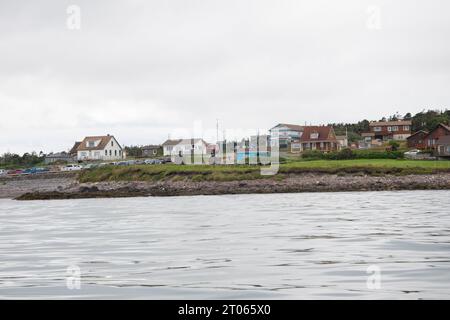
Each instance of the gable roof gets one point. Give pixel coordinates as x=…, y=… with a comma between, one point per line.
x=104, y=140
x=294, y=127
x=416, y=133
x=446, y=128
x=75, y=147
x=151, y=147
x=391, y=123
x=170, y=142
x=324, y=132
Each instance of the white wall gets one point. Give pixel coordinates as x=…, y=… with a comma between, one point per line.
x=110, y=152
x=200, y=148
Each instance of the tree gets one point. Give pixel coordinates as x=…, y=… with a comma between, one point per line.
x=394, y=145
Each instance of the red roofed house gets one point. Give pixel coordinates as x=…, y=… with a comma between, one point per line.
x=320, y=138
x=417, y=140
x=435, y=135
x=388, y=130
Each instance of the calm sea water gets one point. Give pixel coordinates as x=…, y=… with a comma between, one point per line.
x=290, y=246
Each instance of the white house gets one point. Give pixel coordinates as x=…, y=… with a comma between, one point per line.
x=342, y=141
x=185, y=146
x=100, y=148
x=286, y=133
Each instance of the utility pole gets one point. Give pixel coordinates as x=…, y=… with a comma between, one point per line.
x=217, y=130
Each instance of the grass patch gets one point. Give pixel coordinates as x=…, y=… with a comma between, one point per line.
x=197, y=173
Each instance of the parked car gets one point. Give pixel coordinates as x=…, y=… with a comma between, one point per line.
x=29, y=171
x=35, y=170
x=2, y=172
x=91, y=166
x=138, y=162
x=412, y=153
x=154, y=161
x=72, y=167
x=15, y=171
x=122, y=163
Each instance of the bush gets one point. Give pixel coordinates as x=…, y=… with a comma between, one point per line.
x=313, y=155
x=394, y=145
x=345, y=154
x=368, y=154
x=348, y=154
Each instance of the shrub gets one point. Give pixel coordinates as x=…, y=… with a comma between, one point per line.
x=368, y=154
x=313, y=155
x=394, y=145
x=348, y=154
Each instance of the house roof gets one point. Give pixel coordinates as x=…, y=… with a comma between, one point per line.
x=416, y=133
x=324, y=132
x=104, y=140
x=151, y=146
x=391, y=123
x=341, y=137
x=62, y=154
x=445, y=126
x=170, y=142
x=75, y=147
x=294, y=127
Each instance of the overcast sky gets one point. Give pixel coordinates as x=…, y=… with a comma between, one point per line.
x=142, y=70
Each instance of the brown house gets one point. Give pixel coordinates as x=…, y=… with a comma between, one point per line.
x=434, y=136
x=152, y=150
x=443, y=147
x=320, y=138
x=389, y=130
x=417, y=140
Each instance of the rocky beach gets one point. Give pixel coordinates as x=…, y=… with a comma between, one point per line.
x=66, y=185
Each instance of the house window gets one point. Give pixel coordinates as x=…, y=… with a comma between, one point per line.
x=389, y=129
x=91, y=144
x=377, y=129
x=405, y=128
x=395, y=128
x=112, y=143
x=448, y=149
x=314, y=135
x=106, y=152
x=115, y=153
x=110, y=153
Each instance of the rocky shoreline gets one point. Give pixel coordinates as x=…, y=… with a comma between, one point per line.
x=67, y=187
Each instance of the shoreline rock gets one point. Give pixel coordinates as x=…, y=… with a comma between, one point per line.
x=292, y=183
